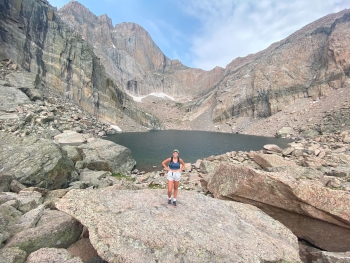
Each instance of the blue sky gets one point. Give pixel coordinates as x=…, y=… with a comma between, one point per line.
x=208, y=33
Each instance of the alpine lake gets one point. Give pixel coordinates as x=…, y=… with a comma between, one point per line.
x=149, y=149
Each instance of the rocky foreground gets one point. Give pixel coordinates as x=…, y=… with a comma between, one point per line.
x=305, y=187
x=139, y=226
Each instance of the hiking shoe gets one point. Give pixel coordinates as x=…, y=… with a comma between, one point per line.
x=174, y=203
x=169, y=201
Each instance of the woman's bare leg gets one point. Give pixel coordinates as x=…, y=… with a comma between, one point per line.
x=170, y=188
x=176, y=188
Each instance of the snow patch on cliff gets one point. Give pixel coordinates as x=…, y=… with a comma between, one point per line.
x=156, y=94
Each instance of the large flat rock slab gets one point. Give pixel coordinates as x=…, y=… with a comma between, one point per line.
x=312, y=211
x=70, y=138
x=139, y=226
x=272, y=160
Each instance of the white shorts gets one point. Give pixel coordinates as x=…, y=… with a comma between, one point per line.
x=174, y=176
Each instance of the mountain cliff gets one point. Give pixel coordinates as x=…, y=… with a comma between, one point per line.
x=310, y=63
x=37, y=39
x=98, y=65
x=131, y=57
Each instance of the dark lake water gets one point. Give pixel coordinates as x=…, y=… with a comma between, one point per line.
x=149, y=149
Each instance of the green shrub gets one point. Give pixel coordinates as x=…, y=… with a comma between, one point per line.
x=121, y=176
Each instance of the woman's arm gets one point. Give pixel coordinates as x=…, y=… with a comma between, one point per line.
x=165, y=162
x=182, y=164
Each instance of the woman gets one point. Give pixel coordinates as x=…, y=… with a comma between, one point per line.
x=176, y=165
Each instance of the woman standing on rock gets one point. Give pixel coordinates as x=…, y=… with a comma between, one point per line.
x=176, y=165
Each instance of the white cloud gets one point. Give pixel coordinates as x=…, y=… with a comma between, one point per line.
x=233, y=28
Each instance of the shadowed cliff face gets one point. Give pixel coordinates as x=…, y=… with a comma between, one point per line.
x=34, y=36
x=134, y=60
x=309, y=63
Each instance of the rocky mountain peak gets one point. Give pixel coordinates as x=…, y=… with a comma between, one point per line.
x=105, y=19
x=218, y=69
x=133, y=59
x=81, y=13
x=64, y=60
x=75, y=12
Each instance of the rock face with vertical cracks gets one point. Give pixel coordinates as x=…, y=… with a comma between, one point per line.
x=309, y=63
x=131, y=57
x=312, y=211
x=34, y=36
x=96, y=64
x=139, y=226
